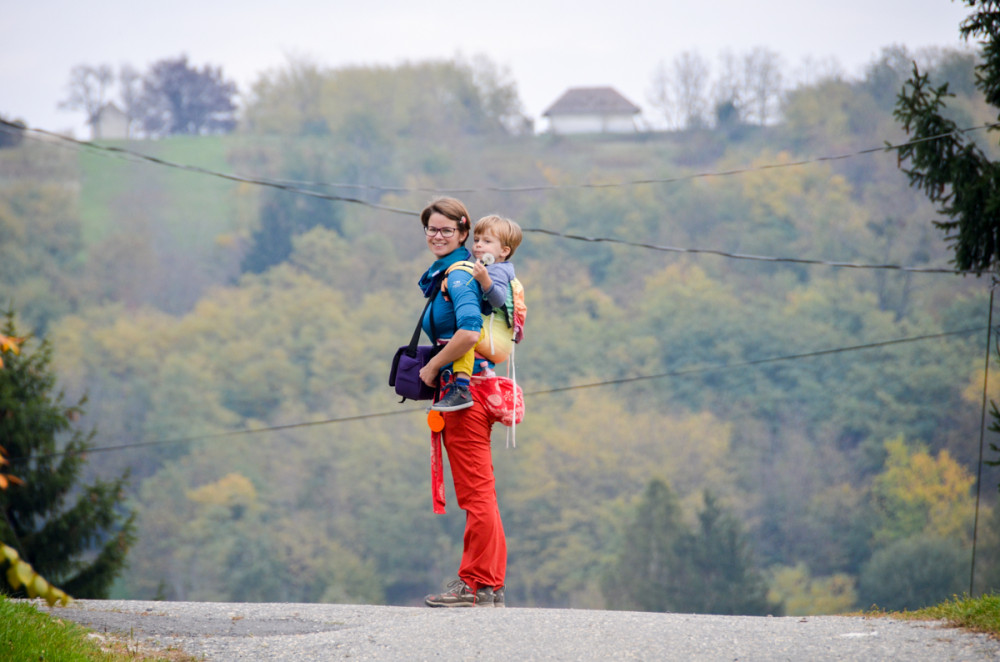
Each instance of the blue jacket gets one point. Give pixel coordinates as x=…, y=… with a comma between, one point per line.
x=463, y=311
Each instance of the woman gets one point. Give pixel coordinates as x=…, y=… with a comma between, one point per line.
x=456, y=319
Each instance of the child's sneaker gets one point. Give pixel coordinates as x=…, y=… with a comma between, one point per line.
x=498, y=597
x=459, y=397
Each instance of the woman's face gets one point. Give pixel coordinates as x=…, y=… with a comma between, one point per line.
x=437, y=242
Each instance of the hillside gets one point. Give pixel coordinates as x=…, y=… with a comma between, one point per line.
x=234, y=340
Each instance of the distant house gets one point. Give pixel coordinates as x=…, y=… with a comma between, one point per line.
x=592, y=110
x=111, y=123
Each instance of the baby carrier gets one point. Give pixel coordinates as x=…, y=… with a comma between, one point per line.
x=503, y=328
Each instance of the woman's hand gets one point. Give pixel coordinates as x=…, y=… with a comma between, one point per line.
x=460, y=343
x=429, y=375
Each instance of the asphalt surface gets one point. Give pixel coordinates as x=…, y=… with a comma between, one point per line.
x=303, y=632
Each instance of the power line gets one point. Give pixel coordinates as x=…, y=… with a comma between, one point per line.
x=756, y=362
x=295, y=187
x=120, y=151
x=664, y=180
x=610, y=382
x=219, y=435
x=744, y=256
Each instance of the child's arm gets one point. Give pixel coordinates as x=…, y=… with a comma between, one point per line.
x=496, y=292
x=482, y=276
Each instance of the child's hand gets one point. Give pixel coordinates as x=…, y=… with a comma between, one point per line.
x=481, y=275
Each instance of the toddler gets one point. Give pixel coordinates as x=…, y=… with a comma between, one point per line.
x=494, y=241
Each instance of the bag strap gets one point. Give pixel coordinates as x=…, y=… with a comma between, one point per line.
x=412, y=349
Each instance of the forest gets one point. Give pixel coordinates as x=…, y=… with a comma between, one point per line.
x=754, y=323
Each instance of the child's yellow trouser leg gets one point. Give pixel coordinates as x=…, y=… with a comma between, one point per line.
x=467, y=362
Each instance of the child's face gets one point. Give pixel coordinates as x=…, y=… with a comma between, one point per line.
x=487, y=242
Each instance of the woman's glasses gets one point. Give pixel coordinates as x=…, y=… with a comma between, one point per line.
x=445, y=232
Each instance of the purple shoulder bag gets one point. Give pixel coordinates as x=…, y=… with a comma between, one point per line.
x=406, y=364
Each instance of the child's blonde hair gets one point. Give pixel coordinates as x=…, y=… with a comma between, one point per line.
x=506, y=230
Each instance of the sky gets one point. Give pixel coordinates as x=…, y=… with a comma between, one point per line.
x=546, y=47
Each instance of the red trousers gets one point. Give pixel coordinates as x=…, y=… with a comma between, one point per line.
x=467, y=441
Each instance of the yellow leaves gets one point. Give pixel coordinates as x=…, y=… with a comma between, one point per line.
x=804, y=595
x=21, y=574
x=597, y=448
x=686, y=282
x=7, y=479
x=770, y=193
x=10, y=344
x=973, y=391
x=918, y=493
x=36, y=585
x=231, y=490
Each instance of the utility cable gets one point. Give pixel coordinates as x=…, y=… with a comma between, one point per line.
x=611, y=382
x=295, y=187
x=744, y=256
x=120, y=151
x=219, y=435
x=744, y=364
x=664, y=180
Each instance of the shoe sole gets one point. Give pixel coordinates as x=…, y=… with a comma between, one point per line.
x=453, y=408
x=457, y=604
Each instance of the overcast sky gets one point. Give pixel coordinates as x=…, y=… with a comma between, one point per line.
x=547, y=46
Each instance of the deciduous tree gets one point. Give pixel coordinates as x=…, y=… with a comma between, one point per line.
x=680, y=92
x=921, y=494
x=178, y=98
x=88, y=89
x=912, y=573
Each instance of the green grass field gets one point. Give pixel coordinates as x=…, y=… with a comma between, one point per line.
x=125, y=193
x=976, y=614
x=27, y=635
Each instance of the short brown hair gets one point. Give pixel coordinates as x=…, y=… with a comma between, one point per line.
x=452, y=208
x=506, y=230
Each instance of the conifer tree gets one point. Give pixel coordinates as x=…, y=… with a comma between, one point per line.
x=650, y=569
x=945, y=162
x=949, y=167
x=725, y=578
x=76, y=536
x=666, y=566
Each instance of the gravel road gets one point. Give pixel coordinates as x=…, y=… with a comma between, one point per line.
x=304, y=632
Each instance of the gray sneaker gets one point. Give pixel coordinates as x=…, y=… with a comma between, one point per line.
x=458, y=397
x=498, y=597
x=460, y=595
